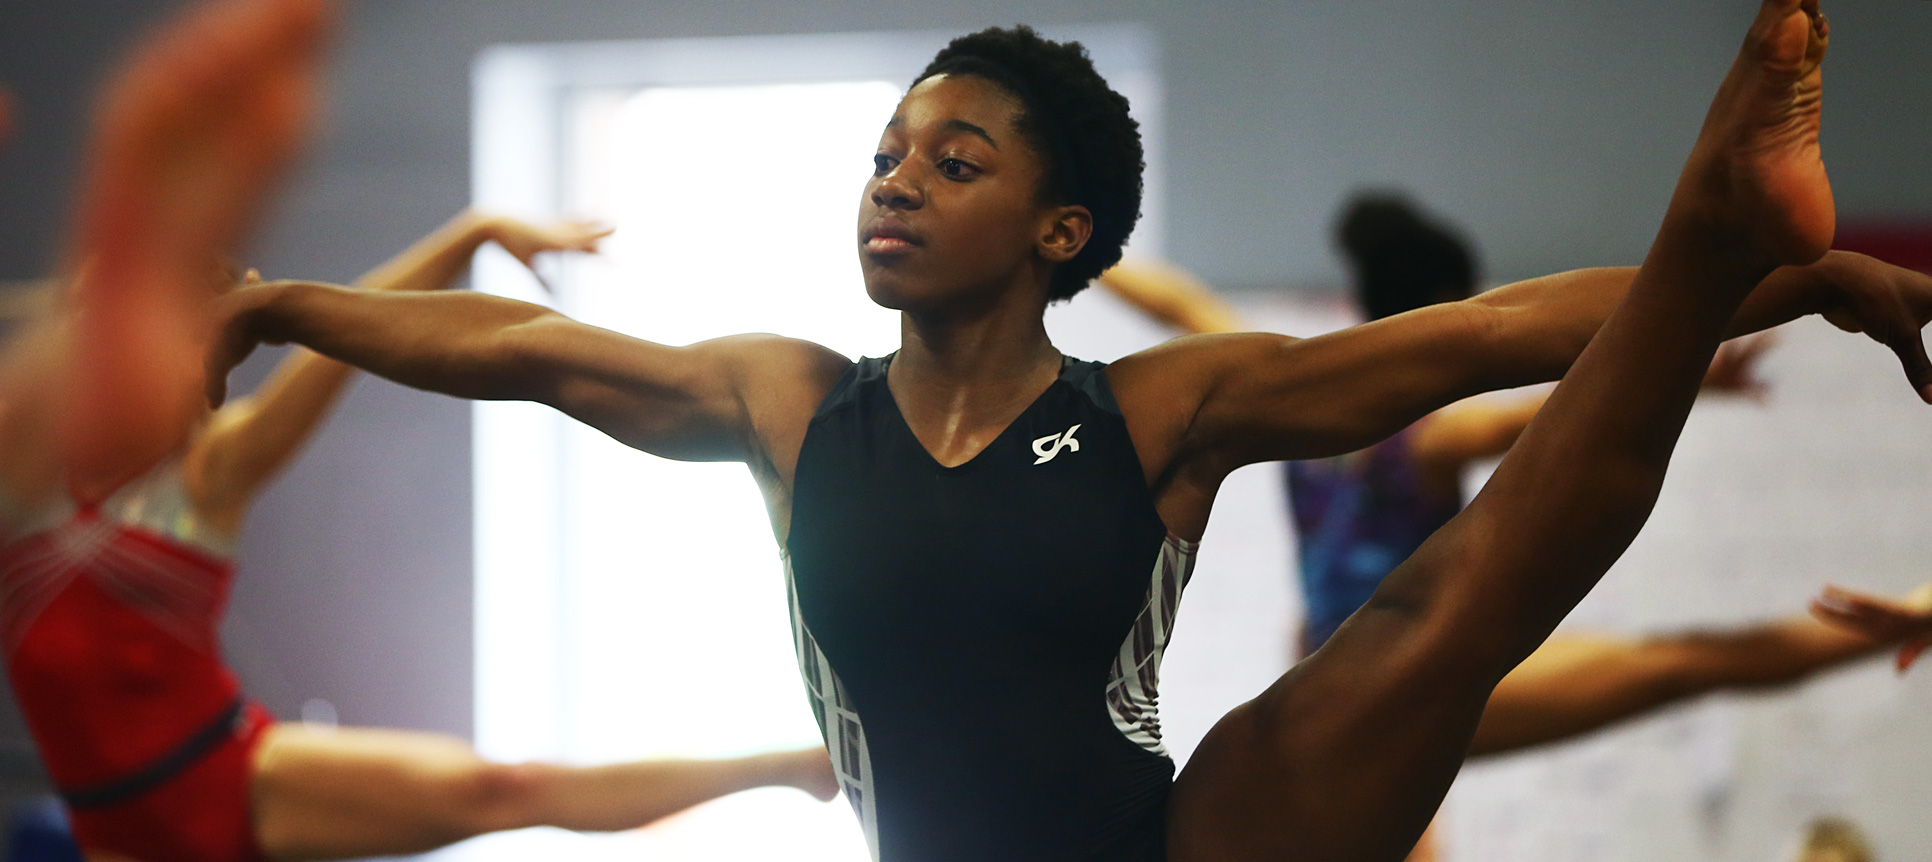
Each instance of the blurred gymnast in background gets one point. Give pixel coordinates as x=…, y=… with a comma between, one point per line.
x=1358, y=516
x=121, y=497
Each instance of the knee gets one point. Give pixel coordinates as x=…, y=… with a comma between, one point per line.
x=491, y=797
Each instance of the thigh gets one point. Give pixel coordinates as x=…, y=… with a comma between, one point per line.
x=347, y=792
x=1344, y=758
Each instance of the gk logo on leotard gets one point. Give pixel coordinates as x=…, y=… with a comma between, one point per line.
x=1049, y=446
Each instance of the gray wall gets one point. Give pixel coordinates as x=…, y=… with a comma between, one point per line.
x=1550, y=130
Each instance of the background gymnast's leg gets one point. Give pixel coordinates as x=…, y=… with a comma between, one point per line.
x=334, y=793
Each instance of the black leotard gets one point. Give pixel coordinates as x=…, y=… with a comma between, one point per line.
x=982, y=643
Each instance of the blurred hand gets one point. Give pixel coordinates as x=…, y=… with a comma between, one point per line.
x=524, y=241
x=1735, y=368
x=1907, y=621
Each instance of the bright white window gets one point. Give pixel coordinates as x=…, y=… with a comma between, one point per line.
x=629, y=606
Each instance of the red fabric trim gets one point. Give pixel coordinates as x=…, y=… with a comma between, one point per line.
x=1903, y=243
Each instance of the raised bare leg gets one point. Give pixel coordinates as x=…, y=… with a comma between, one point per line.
x=352, y=792
x=1348, y=755
x=1576, y=684
x=189, y=141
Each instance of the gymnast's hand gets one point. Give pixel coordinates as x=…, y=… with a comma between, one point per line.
x=234, y=336
x=1889, y=303
x=1906, y=621
x=524, y=241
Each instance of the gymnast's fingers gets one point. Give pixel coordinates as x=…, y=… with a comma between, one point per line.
x=1910, y=348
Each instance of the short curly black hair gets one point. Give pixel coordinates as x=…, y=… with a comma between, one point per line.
x=1080, y=127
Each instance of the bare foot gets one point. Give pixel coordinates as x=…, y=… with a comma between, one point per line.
x=1757, y=165
x=810, y=770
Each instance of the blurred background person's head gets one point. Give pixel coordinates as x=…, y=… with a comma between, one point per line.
x=1401, y=258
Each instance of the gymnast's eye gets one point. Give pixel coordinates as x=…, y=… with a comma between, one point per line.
x=956, y=169
x=882, y=164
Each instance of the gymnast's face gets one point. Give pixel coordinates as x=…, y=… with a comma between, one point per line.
x=952, y=214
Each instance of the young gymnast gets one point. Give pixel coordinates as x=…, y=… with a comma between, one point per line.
x=986, y=539
x=112, y=585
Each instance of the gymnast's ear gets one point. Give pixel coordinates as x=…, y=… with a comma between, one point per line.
x=1064, y=231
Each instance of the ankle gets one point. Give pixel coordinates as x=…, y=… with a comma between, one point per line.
x=1711, y=239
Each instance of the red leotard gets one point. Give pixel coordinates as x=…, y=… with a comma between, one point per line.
x=109, y=615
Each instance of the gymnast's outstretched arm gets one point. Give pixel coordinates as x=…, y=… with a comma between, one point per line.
x=1575, y=684
x=249, y=440
x=1273, y=397
x=1447, y=440
x=721, y=400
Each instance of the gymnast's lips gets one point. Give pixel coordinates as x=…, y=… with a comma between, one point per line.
x=889, y=236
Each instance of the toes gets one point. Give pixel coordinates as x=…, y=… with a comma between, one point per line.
x=1790, y=35
x=1787, y=42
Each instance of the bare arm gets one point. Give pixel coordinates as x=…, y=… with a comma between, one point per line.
x=1256, y=397
x=249, y=440
x=435, y=261
x=714, y=400
x=1170, y=295
x=1445, y=442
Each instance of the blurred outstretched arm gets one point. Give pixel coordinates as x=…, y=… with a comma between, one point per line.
x=249, y=440
x=1170, y=295
x=1447, y=441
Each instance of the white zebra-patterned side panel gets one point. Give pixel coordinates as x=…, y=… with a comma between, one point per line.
x=1133, y=685
x=838, y=721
